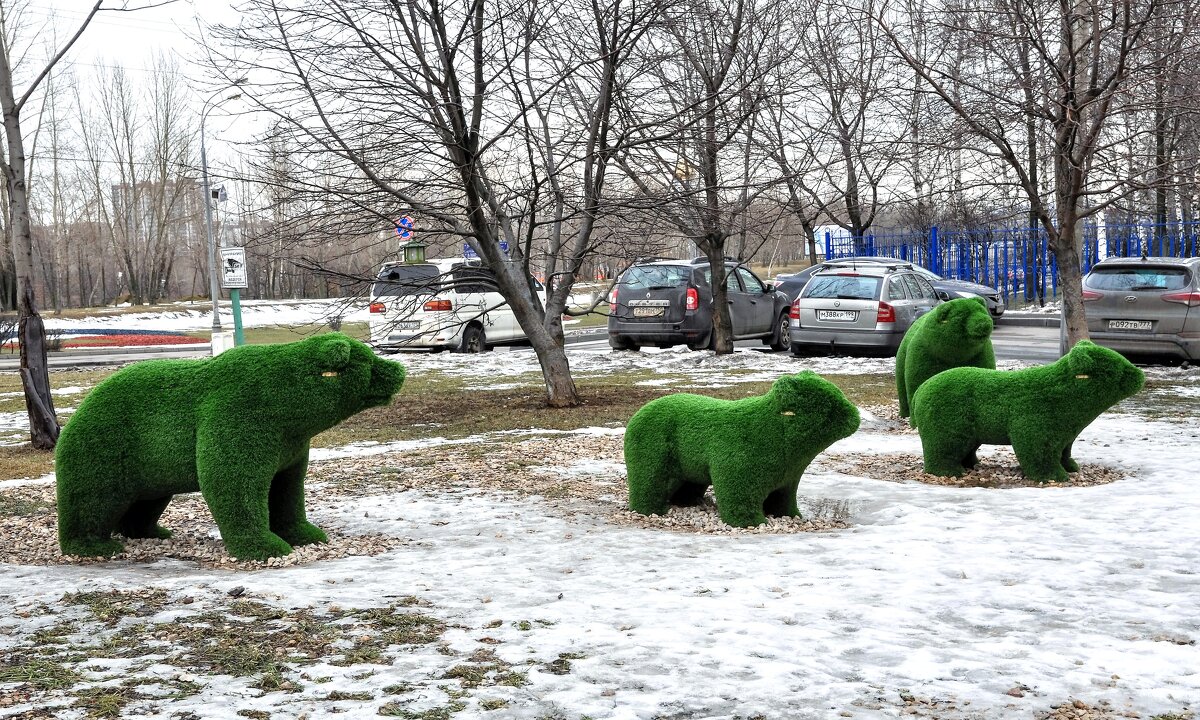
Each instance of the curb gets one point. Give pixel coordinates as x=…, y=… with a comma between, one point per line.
x=1028, y=320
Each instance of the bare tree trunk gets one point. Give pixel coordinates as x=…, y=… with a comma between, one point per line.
x=35, y=378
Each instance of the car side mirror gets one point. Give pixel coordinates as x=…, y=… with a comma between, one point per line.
x=942, y=295
x=768, y=288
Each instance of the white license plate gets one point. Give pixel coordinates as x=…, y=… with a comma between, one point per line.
x=1129, y=324
x=837, y=315
x=649, y=311
x=408, y=325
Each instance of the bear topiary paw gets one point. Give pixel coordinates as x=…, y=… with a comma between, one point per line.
x=258, y=547
x=302, y=533
x=91, y=548
x=741, y=520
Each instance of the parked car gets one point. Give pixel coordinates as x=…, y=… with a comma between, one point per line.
x=863, y=306
x=669, y=302
x=792, y=284
x=443, y=304
x=1146, y=306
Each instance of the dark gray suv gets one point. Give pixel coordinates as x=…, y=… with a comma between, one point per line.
x=1146, y=306
x=668, y=302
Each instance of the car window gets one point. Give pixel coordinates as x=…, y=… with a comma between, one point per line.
x=897, y=290
x=406, y=280
x=846, y=287
x=1137, y=278
x=654, y=277
x=731, y=283
x=473, y=279
x=915, y=291
x=751, y=283
x=927, y=290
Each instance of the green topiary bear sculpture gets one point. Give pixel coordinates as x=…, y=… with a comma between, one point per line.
x=1039, y=411
x=955, y=334
x=752, y=451
x=236, y=427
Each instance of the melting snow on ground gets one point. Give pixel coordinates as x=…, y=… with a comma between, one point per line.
x=998, y=602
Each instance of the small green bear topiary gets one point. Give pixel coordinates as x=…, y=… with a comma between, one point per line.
x=1039, y=411
x=236, y=427
x=954, y=334
x=752, y=451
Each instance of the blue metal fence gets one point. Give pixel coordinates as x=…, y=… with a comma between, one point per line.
x=1017, y=261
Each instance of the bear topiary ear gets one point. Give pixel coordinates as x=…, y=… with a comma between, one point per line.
x=333, y=351
x=1082, y=360
x=980, y=300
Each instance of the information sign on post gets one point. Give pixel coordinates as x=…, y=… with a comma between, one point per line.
x=233, y=267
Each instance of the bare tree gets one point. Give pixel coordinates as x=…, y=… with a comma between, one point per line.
x=1063, y=66
x=43, y=425
x=449, y=110
x=709, y=77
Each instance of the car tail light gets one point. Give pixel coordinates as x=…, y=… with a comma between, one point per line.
x=378, y=307
x=439, y=306
x=887, y=313
x=693, y=299
x=612, y=302
x=1191, y=299
x=794, y=313
x=1089, y=295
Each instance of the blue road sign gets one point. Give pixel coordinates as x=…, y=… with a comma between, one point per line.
x=404, y=227
x=469, y=252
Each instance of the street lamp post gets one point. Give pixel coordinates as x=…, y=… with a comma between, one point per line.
x=213, y=268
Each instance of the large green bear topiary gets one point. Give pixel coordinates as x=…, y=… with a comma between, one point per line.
x=236, y=427
x=1039, y=411
x=954, y=334
x=752, y=451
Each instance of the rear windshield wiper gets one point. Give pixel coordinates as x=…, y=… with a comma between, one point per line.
x=851, y=297
x=661, y=287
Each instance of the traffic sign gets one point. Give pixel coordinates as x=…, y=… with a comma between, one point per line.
x=233, y=267
x=404, y=227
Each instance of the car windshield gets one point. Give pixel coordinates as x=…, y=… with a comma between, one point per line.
x=651, y=277
x=844, y=287
x=1137, y=278
x=406, y=280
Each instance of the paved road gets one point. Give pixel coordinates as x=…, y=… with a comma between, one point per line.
x=1032, y=344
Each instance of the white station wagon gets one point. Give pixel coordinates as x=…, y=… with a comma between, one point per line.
x=436, y=305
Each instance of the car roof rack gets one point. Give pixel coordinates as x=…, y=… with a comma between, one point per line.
x=898, y=265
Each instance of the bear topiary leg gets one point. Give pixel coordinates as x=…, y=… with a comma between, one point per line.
x=237, y=492
x=1068, y=462
x=651, y=476
x=86, y=523
x=737, y=504
x=972, y=459
x=141, y=519
x=1040, y=458
x=944, y=452
x=286, y=506
x=688, y=494
x=782, y=502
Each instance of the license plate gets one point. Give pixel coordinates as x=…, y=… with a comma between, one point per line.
x=649, y=311
x=837, y=315
x=408, y=325
x=1129, y=324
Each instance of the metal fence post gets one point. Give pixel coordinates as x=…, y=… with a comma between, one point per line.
x=935, y=255
x=828, y=246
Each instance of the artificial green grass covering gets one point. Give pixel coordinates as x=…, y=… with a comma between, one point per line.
x=954, y=334
x=752, y=451
x=1039, y=411
x=236, y=427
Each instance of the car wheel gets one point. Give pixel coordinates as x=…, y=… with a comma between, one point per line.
x=620, y=342
x=474, y=340
x=782, y=336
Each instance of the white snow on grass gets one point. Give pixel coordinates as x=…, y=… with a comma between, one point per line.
x=942, y=592
x=198, y=316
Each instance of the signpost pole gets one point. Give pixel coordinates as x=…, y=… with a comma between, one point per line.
x=233, y=278
x=236, y=301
